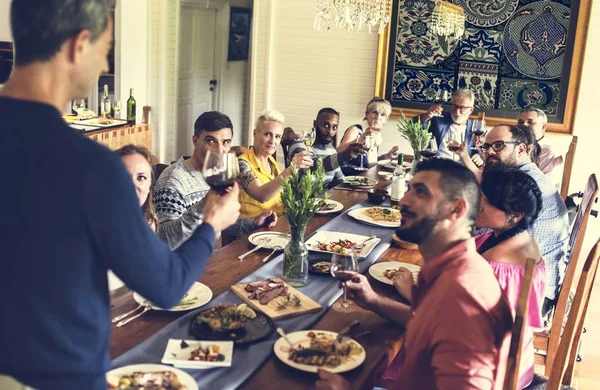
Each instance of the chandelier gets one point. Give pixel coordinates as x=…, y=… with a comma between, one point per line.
x=447, y=20
x=353, y=15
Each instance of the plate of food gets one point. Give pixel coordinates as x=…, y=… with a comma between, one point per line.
x=392, y=164
x=197, y=296
x=360, y=181
x=320, y=266
x=269, y=240
x=237, y=323
x=196, y=354
x=330, y=206
x=149, y=376
x=314, y=349
x=377, y=216
x=102, y=122
x=336, y=242
x=385, y=272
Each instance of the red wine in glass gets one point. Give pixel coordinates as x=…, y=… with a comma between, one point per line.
x=220, y=170
x=453, y=147
x=427, y=153
x=219, y=182
x=478, y=132
x=342, y=276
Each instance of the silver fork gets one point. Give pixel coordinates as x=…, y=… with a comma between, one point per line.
x=147, y=308
x=275, y=249
x=120, y=317
x=262, y=244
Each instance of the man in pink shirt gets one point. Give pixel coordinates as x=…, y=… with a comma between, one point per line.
x=459, y=318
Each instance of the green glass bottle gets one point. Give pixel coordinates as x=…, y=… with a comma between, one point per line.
x=131, y=108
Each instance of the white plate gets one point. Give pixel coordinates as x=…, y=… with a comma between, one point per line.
x=178, y=356
x=338, y=206
x=275, y=239
x=351, y=179
x=359, y=215
x=281, y=349
x=184, y=378
x=321, y=236
x=378, y=269
x=388, y=164
x=201, y=294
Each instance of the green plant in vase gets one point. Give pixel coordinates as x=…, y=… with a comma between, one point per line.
x=415, y=134
x=299, y=205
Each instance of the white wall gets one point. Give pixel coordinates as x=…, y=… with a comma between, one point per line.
x=5, y=34
x=299, y=70
x=234, y=87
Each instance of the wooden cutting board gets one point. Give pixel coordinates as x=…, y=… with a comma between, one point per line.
x=270, y=309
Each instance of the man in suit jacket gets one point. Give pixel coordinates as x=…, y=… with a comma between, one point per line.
x=456, y=121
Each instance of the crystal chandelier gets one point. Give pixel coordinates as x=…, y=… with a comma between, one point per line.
x=447, y=20
x=353, y=15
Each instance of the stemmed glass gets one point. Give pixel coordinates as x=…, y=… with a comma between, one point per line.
x=454, y=140
x=79, y=106
x=368, y=143
x=430, y=150
x=478, y=131
x=308, y=136
x=117, y=109
x=441, y=97
x=344, y=267
x=220, y=170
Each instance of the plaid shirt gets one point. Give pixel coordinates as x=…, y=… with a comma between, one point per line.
x=550, y=230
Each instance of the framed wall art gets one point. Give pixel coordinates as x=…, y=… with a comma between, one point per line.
x=513, y=54
x=239, y=33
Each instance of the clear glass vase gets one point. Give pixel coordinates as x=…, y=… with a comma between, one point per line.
x=295, y=258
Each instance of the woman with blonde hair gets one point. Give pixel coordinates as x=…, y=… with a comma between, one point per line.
x=260, y=177
x=138, y=162
x=376, y=115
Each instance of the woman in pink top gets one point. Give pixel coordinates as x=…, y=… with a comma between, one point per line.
x=511, y=202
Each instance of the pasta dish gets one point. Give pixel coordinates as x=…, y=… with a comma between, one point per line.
x=380, y=214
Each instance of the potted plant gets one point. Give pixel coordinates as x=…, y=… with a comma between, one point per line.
x=417, y=135
x=299, y=205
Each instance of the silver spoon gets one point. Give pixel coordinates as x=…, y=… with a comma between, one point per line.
x=282, y=334
x=275, y=249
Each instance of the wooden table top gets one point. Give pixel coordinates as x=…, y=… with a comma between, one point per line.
x=224, y=270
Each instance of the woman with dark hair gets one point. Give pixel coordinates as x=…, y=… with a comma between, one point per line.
x=511, y=203
x=138, y=162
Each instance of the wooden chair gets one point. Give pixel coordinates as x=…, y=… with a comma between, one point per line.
x=511, y=378
x=548, y=341
x=158, y=169
x=239, y=150
x=289, y=136
x=563, y=365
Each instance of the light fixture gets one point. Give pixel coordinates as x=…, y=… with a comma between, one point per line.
x=447, y=20
x=353, y=15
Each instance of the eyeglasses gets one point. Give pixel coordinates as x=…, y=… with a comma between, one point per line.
x=498, y=146
x=460, y=108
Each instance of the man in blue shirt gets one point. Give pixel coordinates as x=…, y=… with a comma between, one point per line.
x=70, y=211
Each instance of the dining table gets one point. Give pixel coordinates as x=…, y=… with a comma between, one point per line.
x=223, y=270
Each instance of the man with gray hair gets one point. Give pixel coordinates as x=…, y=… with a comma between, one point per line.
x=550, y=163
x=454, y=123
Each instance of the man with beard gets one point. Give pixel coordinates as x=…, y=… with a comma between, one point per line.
x=456, y=121
x=459, y=319
x=326, y=127
x=507, y=145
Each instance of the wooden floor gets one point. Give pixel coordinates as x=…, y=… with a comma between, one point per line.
x=587, y=374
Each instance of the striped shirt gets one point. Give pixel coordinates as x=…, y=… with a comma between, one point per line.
x=327, y=152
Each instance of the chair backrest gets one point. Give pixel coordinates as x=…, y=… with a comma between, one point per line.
x=564, y=362
x=511, y=378
x=576, y=241
x=239, y=150
x=288, y=137
x=569, y=158
x=158, y=169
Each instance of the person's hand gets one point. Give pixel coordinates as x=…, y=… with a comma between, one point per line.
x=222, y=211
x=330, y=381
x=268, y=219
x=302, y=160
x=360, y=291
x=462, y=151
x=434, y=110
x=478, y=140
x=392, y=154
x=352, y=151
x=477, y=160
x=404, y=282
x=371, y=131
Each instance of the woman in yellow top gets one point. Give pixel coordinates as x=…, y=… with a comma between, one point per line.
x=260, y=177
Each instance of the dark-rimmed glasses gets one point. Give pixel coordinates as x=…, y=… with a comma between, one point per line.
x=460, y=108
x=498, y=146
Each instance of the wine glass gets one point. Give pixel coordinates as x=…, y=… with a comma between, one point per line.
x=430, y=150
x=478, y=131
x=79, y=106
x=308, y=136
x=368, y=143
x=343, y=267
x=220, y=170
x=117, y=109
x=454, y=140
x=441, y=97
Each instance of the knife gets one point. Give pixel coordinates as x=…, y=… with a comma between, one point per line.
x=347, y=330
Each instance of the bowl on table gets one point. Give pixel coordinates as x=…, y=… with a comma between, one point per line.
x=404, y=244
x=377, y=196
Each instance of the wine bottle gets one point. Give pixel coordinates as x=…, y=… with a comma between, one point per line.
x=131, y=108
x=105, y=106
x=398, y=182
